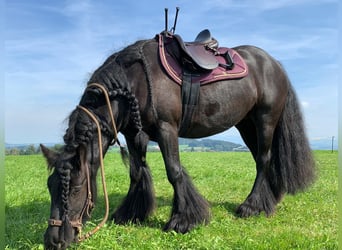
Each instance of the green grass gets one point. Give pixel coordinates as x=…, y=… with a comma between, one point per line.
x=305, y=221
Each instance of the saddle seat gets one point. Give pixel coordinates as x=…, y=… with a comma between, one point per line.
x=202, y=50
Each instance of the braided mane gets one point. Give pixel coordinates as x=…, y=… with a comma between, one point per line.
x=111, y=74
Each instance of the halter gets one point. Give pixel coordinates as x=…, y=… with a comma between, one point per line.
x=89, y=204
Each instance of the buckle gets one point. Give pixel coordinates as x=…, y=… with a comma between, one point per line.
x=55, y=223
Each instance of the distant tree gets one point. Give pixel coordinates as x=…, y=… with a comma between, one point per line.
x=29, y=150
x=57, y=147
x=13, y=151
x=38, y=150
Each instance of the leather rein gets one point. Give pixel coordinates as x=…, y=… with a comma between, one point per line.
x=89, y=204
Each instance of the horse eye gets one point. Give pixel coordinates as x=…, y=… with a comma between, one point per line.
x=75, y=190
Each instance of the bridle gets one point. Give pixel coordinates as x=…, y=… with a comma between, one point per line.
x=89, y=204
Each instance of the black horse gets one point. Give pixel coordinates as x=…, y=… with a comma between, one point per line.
x=146, y=105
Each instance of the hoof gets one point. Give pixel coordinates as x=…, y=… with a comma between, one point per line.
x=246, y=210
x=179, y=225
x=122, y=219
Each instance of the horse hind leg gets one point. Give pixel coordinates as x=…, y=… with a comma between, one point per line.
x=263, y=197
x=140, y=200
x=189, y=208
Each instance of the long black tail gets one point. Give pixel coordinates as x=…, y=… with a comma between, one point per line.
x=292, y=167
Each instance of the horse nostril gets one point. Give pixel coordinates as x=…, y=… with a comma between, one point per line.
x=61, y=246
x=55, y=246
x=52, y=240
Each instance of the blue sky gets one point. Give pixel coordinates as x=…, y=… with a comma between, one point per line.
x=52, y=47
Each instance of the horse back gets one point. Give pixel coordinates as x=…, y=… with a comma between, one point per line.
x=221, y=105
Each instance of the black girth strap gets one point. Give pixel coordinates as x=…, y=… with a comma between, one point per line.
x=190, y=94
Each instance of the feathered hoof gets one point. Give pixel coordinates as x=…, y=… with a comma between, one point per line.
x=122, y=219
x=253, y=208
x=179, y=224
x=246, y=210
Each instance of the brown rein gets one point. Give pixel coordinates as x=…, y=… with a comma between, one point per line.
x=115, y=139
x=87, y=235
x=78, y=223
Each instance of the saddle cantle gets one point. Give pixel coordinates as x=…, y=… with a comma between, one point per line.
x=204, y=37
x=200, y=50
x=203, y=58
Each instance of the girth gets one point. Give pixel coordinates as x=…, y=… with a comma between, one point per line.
x=190, y=96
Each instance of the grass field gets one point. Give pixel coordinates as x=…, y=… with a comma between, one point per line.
x=304, y=221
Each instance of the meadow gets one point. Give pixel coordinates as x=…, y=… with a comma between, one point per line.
x=307, y=220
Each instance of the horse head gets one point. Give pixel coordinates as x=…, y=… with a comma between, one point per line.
x=107, y=106
x=72, y=184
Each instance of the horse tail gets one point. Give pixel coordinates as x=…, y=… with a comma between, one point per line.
x=292, y=164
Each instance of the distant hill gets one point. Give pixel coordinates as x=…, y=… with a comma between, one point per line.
x=324, y=144
x=212, y=145
x=203, y=145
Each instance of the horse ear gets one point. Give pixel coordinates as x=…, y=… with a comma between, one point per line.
x=50, y=156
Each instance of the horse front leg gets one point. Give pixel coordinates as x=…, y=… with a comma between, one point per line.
x=189, y=208
x=140, y=201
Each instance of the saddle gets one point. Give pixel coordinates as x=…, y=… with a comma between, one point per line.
x=192, y=64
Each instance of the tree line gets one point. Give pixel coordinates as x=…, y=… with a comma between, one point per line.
x=27, y=149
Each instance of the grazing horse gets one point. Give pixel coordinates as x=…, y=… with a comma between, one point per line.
x=135, y=96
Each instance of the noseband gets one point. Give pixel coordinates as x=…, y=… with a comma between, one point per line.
x=89, y=204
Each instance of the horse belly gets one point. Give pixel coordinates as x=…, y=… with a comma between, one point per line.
x=220, y=107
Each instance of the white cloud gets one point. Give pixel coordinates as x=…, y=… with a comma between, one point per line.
x=305, y=104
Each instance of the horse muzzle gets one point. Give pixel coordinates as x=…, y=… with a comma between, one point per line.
x=60, y=234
